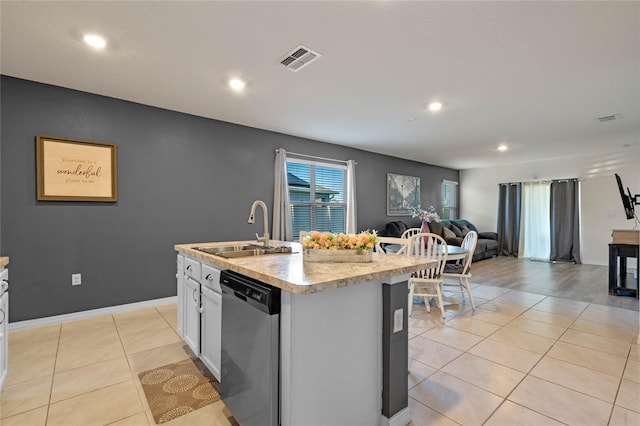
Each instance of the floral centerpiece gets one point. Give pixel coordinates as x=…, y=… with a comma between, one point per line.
x=329, y=247
x=428, y=215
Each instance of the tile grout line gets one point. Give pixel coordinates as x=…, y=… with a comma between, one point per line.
x=506, y=397
x=134, y=377
x=53, y=373
x=528, y=373
x=461, y=354
x=615, y=399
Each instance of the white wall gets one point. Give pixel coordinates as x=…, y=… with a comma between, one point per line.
x=601, y=207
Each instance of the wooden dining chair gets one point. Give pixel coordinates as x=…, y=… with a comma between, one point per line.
x=462, y=271
x=410, y=232
x=427, y=283
x=391, y=241
x=405, y=237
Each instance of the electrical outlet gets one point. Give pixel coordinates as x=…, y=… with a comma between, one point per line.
x=76, y=279
x=397, y=320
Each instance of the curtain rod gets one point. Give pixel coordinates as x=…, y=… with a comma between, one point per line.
x=540, y=181
x=333, y=160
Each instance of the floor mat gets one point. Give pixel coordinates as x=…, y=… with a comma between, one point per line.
x=179, y=388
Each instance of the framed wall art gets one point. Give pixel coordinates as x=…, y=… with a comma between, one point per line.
x=402, y=193
x=71, y=170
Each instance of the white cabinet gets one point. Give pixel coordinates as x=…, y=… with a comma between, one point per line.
x=211, y=331
x=211, y=319
x=200, y=310
x=4, y=322
x=180, y=291
x=191, y=304
x=191, y=325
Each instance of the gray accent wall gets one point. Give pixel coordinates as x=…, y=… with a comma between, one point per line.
x=181, y=179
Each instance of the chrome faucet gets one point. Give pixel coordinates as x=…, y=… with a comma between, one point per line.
x=265, y=237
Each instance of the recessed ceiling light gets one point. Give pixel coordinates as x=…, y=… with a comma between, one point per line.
x=435, y=106
x=95, y=41
x=503, y=147
x=236, y=84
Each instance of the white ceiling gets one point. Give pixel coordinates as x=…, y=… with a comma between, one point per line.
x=532, y=74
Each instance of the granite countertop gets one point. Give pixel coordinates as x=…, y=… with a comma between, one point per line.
x=290, y=273
x=4, y=261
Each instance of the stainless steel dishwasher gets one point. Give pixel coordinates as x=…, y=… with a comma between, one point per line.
x=250, y=376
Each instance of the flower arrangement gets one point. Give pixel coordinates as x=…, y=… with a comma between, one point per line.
x=326, y=240
x=428, y=215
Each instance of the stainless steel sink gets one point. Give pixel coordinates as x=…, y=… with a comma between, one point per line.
x=248, y=250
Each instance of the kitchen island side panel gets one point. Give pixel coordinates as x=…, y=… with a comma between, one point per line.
x=331, y=355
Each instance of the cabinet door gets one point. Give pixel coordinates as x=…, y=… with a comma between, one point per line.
x=211, y=330
x=4, y=321
x=191, y=325
x=180, y=292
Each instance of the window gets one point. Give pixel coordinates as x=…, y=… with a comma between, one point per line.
x=449, y=199
x=317, y=196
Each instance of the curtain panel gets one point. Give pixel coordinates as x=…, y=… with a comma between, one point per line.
x=351, y=225
x=509, y=202
x=282, y=225
x=565, y=221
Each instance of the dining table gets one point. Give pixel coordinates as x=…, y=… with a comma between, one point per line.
x=393, y=245
x=453, y=252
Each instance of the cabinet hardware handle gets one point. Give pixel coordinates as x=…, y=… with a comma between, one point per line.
x=189, y=267
x=3, y=316
x=209, y=277
x=194, y=295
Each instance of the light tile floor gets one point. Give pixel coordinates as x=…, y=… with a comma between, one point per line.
x=519, y=359
x=524, y=359
x=85, y=372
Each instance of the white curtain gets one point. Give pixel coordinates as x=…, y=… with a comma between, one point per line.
x=535, y=234
x=351, y=197
x=282, y=227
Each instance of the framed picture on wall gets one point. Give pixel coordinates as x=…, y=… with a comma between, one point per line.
x=71, y=170
x=402, y=193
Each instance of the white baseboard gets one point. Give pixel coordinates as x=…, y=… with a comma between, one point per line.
x=57, y=319
x=401, y=418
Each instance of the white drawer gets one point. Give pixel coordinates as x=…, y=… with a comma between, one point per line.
x=192, y=269
x=211, y=277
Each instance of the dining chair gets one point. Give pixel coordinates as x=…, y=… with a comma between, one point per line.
x=427, y=283
x=394, y=241
x=410, y=232
x=462, y=271
x=405, y=236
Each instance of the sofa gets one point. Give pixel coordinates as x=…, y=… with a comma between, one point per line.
x=453, y=232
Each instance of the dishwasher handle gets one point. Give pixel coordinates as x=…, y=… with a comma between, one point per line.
x=240, y=296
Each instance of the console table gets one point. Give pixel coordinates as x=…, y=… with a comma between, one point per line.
x=621, y=252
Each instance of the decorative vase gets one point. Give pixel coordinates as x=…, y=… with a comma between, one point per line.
x=337, y=256
x=425, y=227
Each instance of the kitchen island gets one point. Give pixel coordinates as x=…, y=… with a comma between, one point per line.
x=343, y=334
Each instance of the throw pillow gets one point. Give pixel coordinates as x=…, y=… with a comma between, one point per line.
x=465, y=230
x=448, y=233
x=455, y=241
x=456, y=230
x=436, y=228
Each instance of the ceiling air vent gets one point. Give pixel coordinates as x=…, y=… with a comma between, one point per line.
x=608, y=118
x=299, y=58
